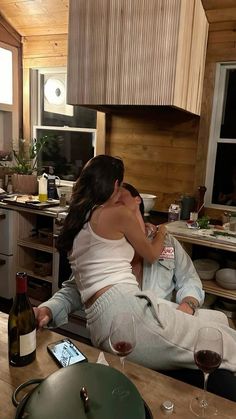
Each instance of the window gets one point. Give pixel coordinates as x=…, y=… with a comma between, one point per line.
x=221, y=161
x=6, y=77
x=9, y=100
x=71, y=130
x=49, y=106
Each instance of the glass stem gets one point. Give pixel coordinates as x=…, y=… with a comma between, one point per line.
x=122, y=361
x=204, y=398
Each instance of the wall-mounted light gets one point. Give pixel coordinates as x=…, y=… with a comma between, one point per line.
x=54, y=91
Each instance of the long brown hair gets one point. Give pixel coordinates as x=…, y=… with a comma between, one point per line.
x=94, y=187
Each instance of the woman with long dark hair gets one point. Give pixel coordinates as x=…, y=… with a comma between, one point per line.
x=100, y=235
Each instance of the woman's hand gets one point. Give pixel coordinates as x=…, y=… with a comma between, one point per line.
x=162, y=230
x=150, y=230
x=43, y=316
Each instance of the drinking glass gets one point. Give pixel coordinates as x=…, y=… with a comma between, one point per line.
x=122, y=336
x=208, y=352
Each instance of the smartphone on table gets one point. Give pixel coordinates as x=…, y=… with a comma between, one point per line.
x=65, y=353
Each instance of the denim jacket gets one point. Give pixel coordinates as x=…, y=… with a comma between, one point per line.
x=176, y=275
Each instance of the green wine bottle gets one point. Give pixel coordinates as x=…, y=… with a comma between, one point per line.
x=21, y=326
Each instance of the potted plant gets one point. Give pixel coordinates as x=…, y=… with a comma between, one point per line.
x=24, y=169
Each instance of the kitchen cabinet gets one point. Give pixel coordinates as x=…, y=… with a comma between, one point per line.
x=137, y=52
x=8, y=230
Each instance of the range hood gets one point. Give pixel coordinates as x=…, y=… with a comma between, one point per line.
x=136, y=53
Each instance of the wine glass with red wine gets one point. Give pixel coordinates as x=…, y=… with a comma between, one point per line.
x=122, y=336
x=208, y=352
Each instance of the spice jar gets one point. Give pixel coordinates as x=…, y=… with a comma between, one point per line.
x=63, y=200
x=232, y=221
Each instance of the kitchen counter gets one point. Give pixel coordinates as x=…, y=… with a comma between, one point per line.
x=155, y=388
x=204, y=237
x=53, y=211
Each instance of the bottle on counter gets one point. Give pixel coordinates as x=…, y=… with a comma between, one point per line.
x=232, y=221
x=63, y=200
x=43, y=187
x=21, y=326
x=9, y=185
x=187, y=206
x=174, y=212
x=51, y=184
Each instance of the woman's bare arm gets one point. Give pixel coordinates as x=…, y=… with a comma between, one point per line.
x=130, y=227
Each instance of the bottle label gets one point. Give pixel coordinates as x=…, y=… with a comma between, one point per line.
x=174, y=213
x=28, y=343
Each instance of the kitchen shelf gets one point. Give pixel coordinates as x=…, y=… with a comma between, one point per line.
x=28, y=269
x=213, y=288
x=38, y=249
x=36, y=243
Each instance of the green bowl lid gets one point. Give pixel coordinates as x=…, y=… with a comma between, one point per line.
x=111, y=395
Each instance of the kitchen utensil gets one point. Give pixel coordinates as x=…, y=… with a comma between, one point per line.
x=149, y=202
x=206, y=268
x=226, y=278
x=67, y=190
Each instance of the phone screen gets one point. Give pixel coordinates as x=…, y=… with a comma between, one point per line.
x=66, y=353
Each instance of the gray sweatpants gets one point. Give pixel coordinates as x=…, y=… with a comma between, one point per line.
x=165, y=336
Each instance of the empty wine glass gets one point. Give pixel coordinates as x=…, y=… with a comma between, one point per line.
x=122, y=336
x=208, y=352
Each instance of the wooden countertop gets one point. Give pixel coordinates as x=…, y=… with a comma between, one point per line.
x=154, y=387
x=52, y=212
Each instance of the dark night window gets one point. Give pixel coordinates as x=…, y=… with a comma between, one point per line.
x=221, y=163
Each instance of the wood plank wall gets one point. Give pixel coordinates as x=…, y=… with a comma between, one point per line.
x=158, y=146
x=39, y=52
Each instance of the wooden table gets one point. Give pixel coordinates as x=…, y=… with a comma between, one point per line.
x=154, y=387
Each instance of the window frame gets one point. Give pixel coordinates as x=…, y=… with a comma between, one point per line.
x=215, y=128
x=13, y=109
x=35, y=111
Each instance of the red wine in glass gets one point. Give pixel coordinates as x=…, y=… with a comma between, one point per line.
x=208, y=353
x=207, y=361
x=122, y=348
x=122, y=337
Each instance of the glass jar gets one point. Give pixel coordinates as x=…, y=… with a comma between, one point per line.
x=174, y=213
x=232, y=221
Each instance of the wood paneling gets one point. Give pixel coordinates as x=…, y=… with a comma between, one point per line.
x=8, y=35
x=40, y=52
x=38, y=17
x=142, y=52
x=45, y=46
x=158, y=147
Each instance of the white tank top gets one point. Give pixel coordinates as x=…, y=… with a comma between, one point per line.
x=97, y=262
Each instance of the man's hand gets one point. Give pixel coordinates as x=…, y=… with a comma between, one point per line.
x=185, y=308
x=188, y=305
x=43, y=316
